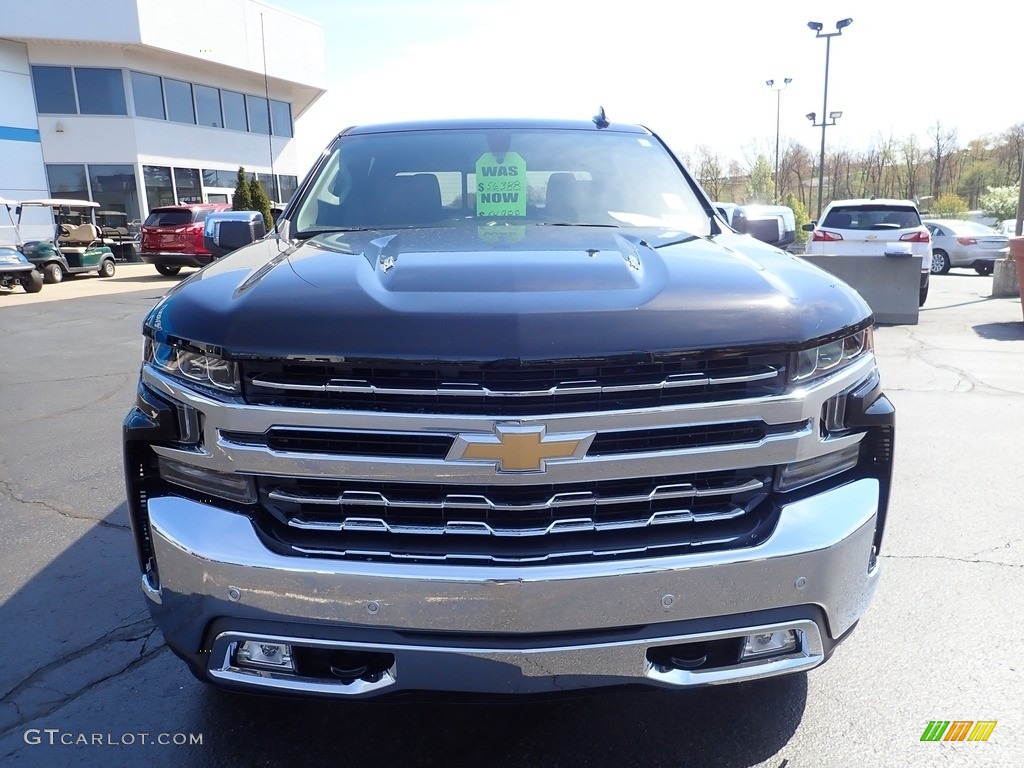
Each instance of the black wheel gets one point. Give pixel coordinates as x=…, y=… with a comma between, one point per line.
x=52, y=273
x=922, y=296
x=167, y=271
x=107, y=268
x=983, y=269
x=33, y=282
x=940, y=263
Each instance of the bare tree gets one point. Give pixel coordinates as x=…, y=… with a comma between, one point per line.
x=943, y=145
x=710, y=171
x=1009, y=150
x=911, y=158
x=795, y=164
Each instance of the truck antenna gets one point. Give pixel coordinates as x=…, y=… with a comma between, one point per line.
x=266, y=91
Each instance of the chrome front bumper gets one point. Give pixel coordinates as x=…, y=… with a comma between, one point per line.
x=510, y=629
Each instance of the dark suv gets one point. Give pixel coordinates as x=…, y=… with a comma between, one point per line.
x=172, y=236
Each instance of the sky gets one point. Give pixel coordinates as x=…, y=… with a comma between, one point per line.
x=692, y=72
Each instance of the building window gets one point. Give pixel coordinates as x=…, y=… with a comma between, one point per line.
x=114, y=188
x=208, y=106
x=212, y=178
x=259, y=116
x=234, y=111
x=148, y=93
x=281, y=114
x=67, y=181
x=55, y=90
x=288, y=186
x=100, y=91
x=159, y=190
x=179, y=101
x=187, y=185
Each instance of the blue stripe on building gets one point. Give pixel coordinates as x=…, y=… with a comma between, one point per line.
x=18, y=134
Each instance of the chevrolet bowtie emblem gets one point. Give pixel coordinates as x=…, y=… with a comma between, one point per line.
x=513, y=448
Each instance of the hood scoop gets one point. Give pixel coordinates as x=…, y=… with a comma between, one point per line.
x=606, y=262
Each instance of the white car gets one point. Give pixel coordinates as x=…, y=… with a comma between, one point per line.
x=1008, y=228
x=880, y=227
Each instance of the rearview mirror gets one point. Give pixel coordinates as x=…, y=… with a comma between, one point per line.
x=228, y=231
x=808, y=227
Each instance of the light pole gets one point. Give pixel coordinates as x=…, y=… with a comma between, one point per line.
x=816, y=27
x=813, y=117
x=778, y=111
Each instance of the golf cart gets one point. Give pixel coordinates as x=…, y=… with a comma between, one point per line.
x=117, y=235
x=15, y=269
x=75, y=245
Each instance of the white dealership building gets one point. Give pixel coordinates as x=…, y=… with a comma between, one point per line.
x=138, y=103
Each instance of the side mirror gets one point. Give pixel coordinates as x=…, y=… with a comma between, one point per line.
x=808, y=227
x=228, y=231
x=766, y=230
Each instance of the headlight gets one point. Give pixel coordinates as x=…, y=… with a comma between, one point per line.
x=828, y=358
x=197, y=367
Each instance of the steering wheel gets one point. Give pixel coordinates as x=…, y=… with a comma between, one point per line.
x=65, y=230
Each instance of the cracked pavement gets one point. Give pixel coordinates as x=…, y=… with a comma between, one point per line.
x=940, y=640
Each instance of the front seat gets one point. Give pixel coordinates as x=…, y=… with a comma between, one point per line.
x=412, y=200
x=562, y=200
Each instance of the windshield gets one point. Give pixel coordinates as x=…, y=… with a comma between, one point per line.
x=175, y=217
x=872, y=217
x=530, y=176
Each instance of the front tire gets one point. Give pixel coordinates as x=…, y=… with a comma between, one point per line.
x=52, y=273
x=167, y=271
x=107, y=268
x=940, y=263
x=33, y=282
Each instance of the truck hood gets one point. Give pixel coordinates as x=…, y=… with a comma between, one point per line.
x=507, y=292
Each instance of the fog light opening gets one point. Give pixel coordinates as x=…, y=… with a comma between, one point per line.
x=762, y=644
x=265, y=656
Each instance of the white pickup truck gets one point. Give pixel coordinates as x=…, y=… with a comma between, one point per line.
x=772, y=224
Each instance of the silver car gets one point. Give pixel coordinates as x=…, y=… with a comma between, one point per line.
x=958, y=243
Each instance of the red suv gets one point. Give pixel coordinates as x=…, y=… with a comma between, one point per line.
x=172, y=236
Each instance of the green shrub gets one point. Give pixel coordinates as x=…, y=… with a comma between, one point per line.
x=242, y=199
x=800, y=214
x=260, y=202
x=949, y=206
x=1000, y=202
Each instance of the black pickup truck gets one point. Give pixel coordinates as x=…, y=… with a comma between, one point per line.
x=505, y=407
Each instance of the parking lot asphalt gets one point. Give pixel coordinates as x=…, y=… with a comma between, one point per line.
x=82, y=662
x=128, y=277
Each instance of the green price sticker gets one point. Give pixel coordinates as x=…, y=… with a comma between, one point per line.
x=501, y=185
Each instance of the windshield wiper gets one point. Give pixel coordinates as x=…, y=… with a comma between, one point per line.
x=570, y=224
x=308, y=233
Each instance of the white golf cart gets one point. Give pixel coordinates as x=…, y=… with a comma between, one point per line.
x=15, y=269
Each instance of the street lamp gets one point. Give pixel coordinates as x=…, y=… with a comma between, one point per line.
x=816, y=27
x=778, y=112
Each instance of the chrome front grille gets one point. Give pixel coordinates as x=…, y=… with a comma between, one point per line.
x=431, y=446
x=510, y=389
x=517, y=523
x=390, y=482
